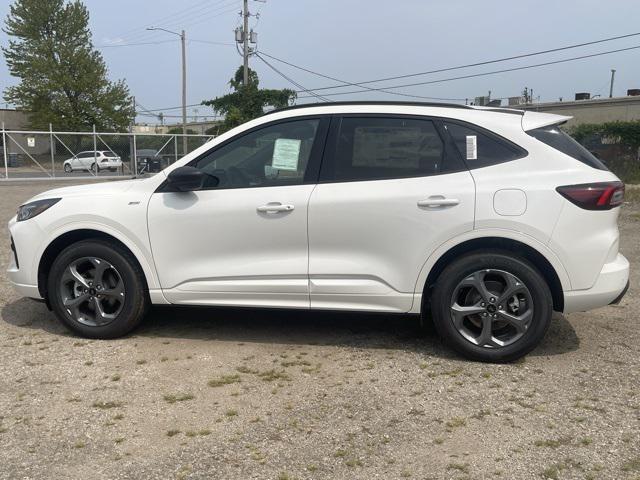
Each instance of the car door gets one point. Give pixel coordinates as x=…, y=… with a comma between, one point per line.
x=242, y=240
x=392, y=189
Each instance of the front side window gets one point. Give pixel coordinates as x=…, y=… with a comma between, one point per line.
x=371, y=148
x=274, y=155
x=482, y=149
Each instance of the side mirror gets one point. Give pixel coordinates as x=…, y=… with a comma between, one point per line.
x=186, y=179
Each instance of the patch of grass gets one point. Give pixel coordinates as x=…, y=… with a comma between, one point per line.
x=106, y=405
x=115, y=378
x=79, y=444
x=172, y=433
x=3, y=429
x=273, y=375
x=231, y=413
x=179, y=397
x=204, y=432
x=461, y=467
x=586, y=441
x=119, y=440
x=438, y=441
x=456, y=422
x=245, y=369
x=632, y=465
x=119, y=416
x=295, y=363
x=88, y=363
x=141, y=362
x=551, y=443
x=480, y=414
x=312, y=468
x=224, y=380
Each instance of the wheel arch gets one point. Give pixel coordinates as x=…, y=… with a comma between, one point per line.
x=65, y=239
x=551, y=269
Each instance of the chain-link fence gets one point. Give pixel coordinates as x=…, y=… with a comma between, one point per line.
x=50, y=154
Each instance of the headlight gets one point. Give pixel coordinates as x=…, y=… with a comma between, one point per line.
x=32, y=209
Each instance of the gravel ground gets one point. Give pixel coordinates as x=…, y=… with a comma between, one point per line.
x=240, y=394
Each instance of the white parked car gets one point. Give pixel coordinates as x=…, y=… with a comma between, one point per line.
x=92, y=160
x=484, y=220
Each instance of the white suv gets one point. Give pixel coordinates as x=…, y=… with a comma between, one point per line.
x=483, y=220
x=92, y=160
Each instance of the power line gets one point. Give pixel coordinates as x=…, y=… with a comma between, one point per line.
x=482, y=74
x=319, y=97
x=135, y=44
x=488, y=62
x=357, y=84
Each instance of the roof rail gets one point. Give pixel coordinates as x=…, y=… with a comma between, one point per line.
x=370, y=102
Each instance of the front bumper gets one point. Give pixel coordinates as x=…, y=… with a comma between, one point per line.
x=610, y=287
x=23, y=264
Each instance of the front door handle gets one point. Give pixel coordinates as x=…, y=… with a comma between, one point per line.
x=438, y=201
x=275, y=207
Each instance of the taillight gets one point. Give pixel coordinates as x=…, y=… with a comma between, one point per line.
x=594, y=196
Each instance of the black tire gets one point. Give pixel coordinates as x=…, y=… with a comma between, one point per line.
x=95, y=168
x=136, y=300
x=454, y=274
x=67, y=168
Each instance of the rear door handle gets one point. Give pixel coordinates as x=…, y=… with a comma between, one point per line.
x=275, y=207
x=438, y=201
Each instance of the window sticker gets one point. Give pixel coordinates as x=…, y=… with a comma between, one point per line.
x=286, y=152
x=472, y=147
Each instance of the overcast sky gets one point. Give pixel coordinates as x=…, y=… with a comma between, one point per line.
x=357, y=40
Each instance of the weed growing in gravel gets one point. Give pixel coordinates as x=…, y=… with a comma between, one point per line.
x=141, y=362
x=632, y=465
x=586, y=441
x=119, y=440
x=180, y=397
x=224, y=380
x=231, y=413
x=88, y=363
x=245, y=369
x=295, y=363
x=106, y=405
x=551, y=443
x=172, y=433
x=115, y=378
x=461, y=467
x=272, y=375
x=456, y=422
x=79, y=444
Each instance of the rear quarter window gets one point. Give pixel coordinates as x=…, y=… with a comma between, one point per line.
x=481, y=148
x=562, y=141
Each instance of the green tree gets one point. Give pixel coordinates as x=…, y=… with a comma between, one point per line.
x=63, y=79
x=247, y=102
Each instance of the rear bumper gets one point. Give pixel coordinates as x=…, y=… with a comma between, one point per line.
x=610, y=287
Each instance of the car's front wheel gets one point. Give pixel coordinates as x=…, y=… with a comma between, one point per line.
x=97, y=289
x=491, y=306
x=67, y=168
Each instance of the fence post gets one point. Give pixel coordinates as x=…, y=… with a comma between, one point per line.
x=4, y=152
x=175, y=144
x=135, y=156
x=51, y=145
x=95, y=153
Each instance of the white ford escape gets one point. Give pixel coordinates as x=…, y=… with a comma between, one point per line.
x=485, y=220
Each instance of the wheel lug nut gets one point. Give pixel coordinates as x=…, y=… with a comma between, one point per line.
x=492, y=300
x=484, y=314
x=500, y=307
x=495, y=315
x=483, y=304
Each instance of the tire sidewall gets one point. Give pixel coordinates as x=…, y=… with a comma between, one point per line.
x=135, y=294
x=460, y=269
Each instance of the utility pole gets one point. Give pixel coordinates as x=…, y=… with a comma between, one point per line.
x=613, y=76
x=183, y=40
x=245, y=41
x=184, y=94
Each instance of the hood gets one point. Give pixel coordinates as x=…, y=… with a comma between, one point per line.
x=91, y=189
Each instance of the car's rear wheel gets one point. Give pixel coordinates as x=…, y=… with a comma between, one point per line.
x=491, y=306
x=67, y=168
x=95, y=168
x=97, y=289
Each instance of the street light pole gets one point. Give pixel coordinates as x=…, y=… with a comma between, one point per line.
x=183, y=38
x=245, y=52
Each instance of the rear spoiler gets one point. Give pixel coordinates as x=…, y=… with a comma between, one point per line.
x=533, y=120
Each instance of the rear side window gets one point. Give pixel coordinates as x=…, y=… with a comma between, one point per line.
x=556, y=138
x=378, y=148
x=481, y=148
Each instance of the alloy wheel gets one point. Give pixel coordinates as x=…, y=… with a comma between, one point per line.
x=491, y=308
x=92, y=291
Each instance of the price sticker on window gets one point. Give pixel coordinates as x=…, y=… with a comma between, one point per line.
x=472, y=147
x=286, y=152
